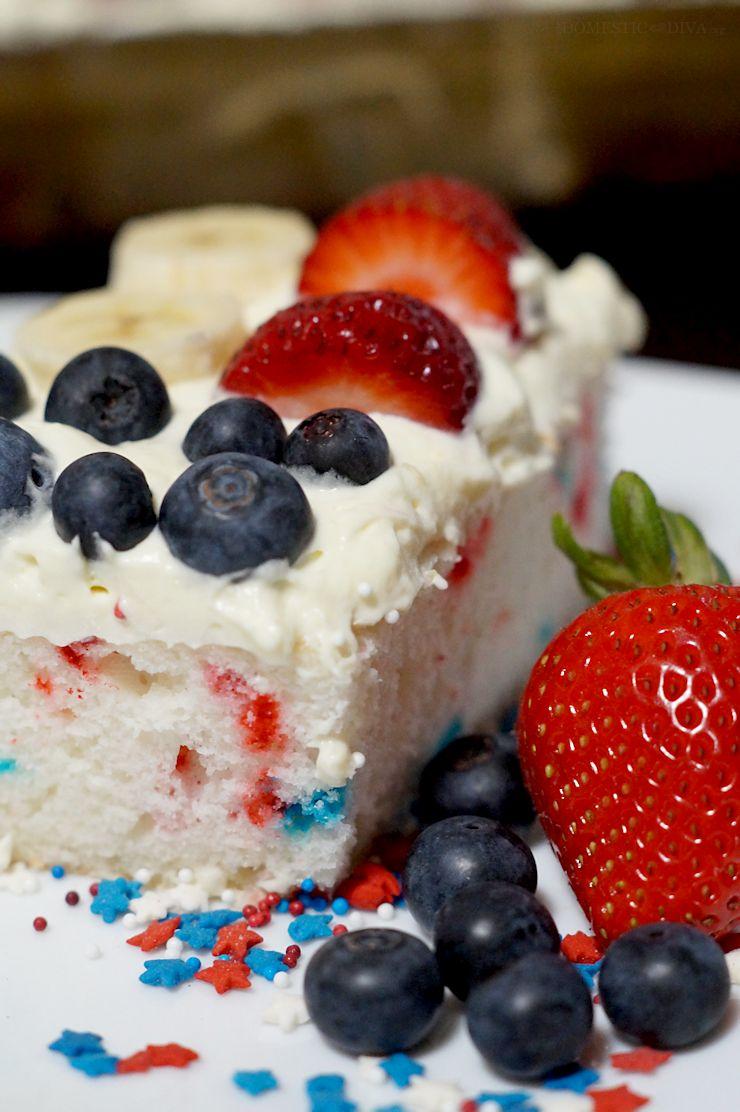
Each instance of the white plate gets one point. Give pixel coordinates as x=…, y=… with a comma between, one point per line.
x=678, y=427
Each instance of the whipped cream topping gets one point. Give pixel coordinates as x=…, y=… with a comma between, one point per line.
x=375, y=547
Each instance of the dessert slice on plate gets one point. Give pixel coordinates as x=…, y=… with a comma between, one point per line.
x=234, y=632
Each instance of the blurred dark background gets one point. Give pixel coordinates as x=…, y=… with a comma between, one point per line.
x=616, y=132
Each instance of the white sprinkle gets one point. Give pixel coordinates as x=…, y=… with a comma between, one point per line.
x=439, y=582
x=143, y=876
x=355, y=921
x=174, y=947
x=286, y=1011
x=433, y=1096
x=364, y=590
x=185, y=876
x=386, y=911
x=228, y=896
x=281, y=980
x=93, y=952
x=358, y=760
x=392, y=617
x=129, y=919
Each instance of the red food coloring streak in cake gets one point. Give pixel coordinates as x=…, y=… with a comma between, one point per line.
x=156, y=935
x=43, y=684
x=118, y=612
x=582, y=948
x=261, y=804
x=586, y=484
x=154, y=1057
x=75, y=654
x=369, y=886
x=470, y=553
x=258, y=715
x=182, y=764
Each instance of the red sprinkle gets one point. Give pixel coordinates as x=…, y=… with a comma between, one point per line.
x=290, y=962
x=295, y=907
x=156, y=934
x=273, y=898
x=582, y=948
x=369, y=886
x=39, y=923
x=171, y=1054
x=249, y=909
x=469, y=1106
x=225, y=975
x=264, y=905
x=620, y=1099
x=72, y=898
x=259, y=919
x=339, y=929
x=293, y=951
x=642, y=1060
x=235, y=939
x=93, y=889
x=118, y=612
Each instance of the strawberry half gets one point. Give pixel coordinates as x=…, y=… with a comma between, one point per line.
x=436, y=238
x=377, y=352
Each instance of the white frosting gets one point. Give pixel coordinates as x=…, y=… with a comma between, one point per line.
x=374, y=547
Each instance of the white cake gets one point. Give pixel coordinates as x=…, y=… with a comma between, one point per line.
x=264, y=730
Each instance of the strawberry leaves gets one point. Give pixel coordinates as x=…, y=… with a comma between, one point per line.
x=655, y=546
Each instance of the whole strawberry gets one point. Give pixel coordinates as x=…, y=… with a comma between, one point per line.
x=630, y=729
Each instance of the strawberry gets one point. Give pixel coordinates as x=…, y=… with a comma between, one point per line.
x=377, y=352
x=629, y=729
x=437, y=238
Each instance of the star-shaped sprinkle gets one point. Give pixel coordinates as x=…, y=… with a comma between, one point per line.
x=369, y=886
x=306, y=927
x=581, y=948
x=113, y=898
x=642, y=1060
x=156, y=1057
x=287, y=1011
x=255, y=1082
x=197, y=936
x=573, y=1079
x=589, y=972
x=265, y=963
x=73, y=1043
x=225, y=974
x=399, y=1068
x=156, y=934
x=94, y=1065
x=235, y=939
x=326, y=1094
x=169, y=972
x=620, y=1099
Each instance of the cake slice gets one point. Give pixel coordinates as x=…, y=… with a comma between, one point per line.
x=250, y=689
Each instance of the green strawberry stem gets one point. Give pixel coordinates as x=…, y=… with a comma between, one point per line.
x=655, y=546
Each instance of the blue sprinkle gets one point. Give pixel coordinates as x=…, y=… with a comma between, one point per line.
x=265, y=963
x=197, y=937
x=589, y=972
x=255, y=1082
x=326, y=1094
x=308, y=884
x=452, y=730
x=400, y=1069
x=73, y=1043
x=519, y=1101
x=340, y=906
x=94, y=1065
x=113, y=898
x=574, y=1079
x=282, y=907
x=169, y=972
x=324, y=808
x=8, y=764
x=219, y=917
x=306, y=927
x=57, y=871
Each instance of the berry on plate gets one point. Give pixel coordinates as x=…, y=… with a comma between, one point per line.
x=26, y=477
x=344, y=441
x=533, y=1017
x=112, y=394
x=665, y=984
x=231, y=512
x=628, y=732
x=103, y=496
x=373, y=991
x=440, y=239
x=484, y=928
x=376, y=352
x=236, y=425
x=475, y=775
x=14, y=398
x=456, y=852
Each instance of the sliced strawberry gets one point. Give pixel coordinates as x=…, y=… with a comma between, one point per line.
x=436, y=238
x=377, y=352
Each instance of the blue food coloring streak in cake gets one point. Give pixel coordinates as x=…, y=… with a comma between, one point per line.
x=7, y=764
x=452, y=730
x=323, y=808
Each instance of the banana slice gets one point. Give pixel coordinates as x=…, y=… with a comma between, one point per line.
x=250, y=251
x=183, y=337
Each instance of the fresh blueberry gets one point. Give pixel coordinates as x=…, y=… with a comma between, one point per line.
x=14, y=399
x=236, y=425
x=373, y=991
x=231, y=512
x=466, y=849
x=533, y=1017
x=476, y=775
x=110, y=393
x=25, y=470
x=106, y=496
x=341, y=440
x=665, y=984
x=486, y=927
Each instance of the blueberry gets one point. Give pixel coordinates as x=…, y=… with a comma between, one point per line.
x=533, y=1017
x=14, y=399
x=231, y=512
x=466, y=849
x=236, y=425
x=373, y=991
x=25, y=470
x=341, y=440
x=106, y=496
x=665, y=984
x=487, y=926
x=476, y=775
x=110, y=393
